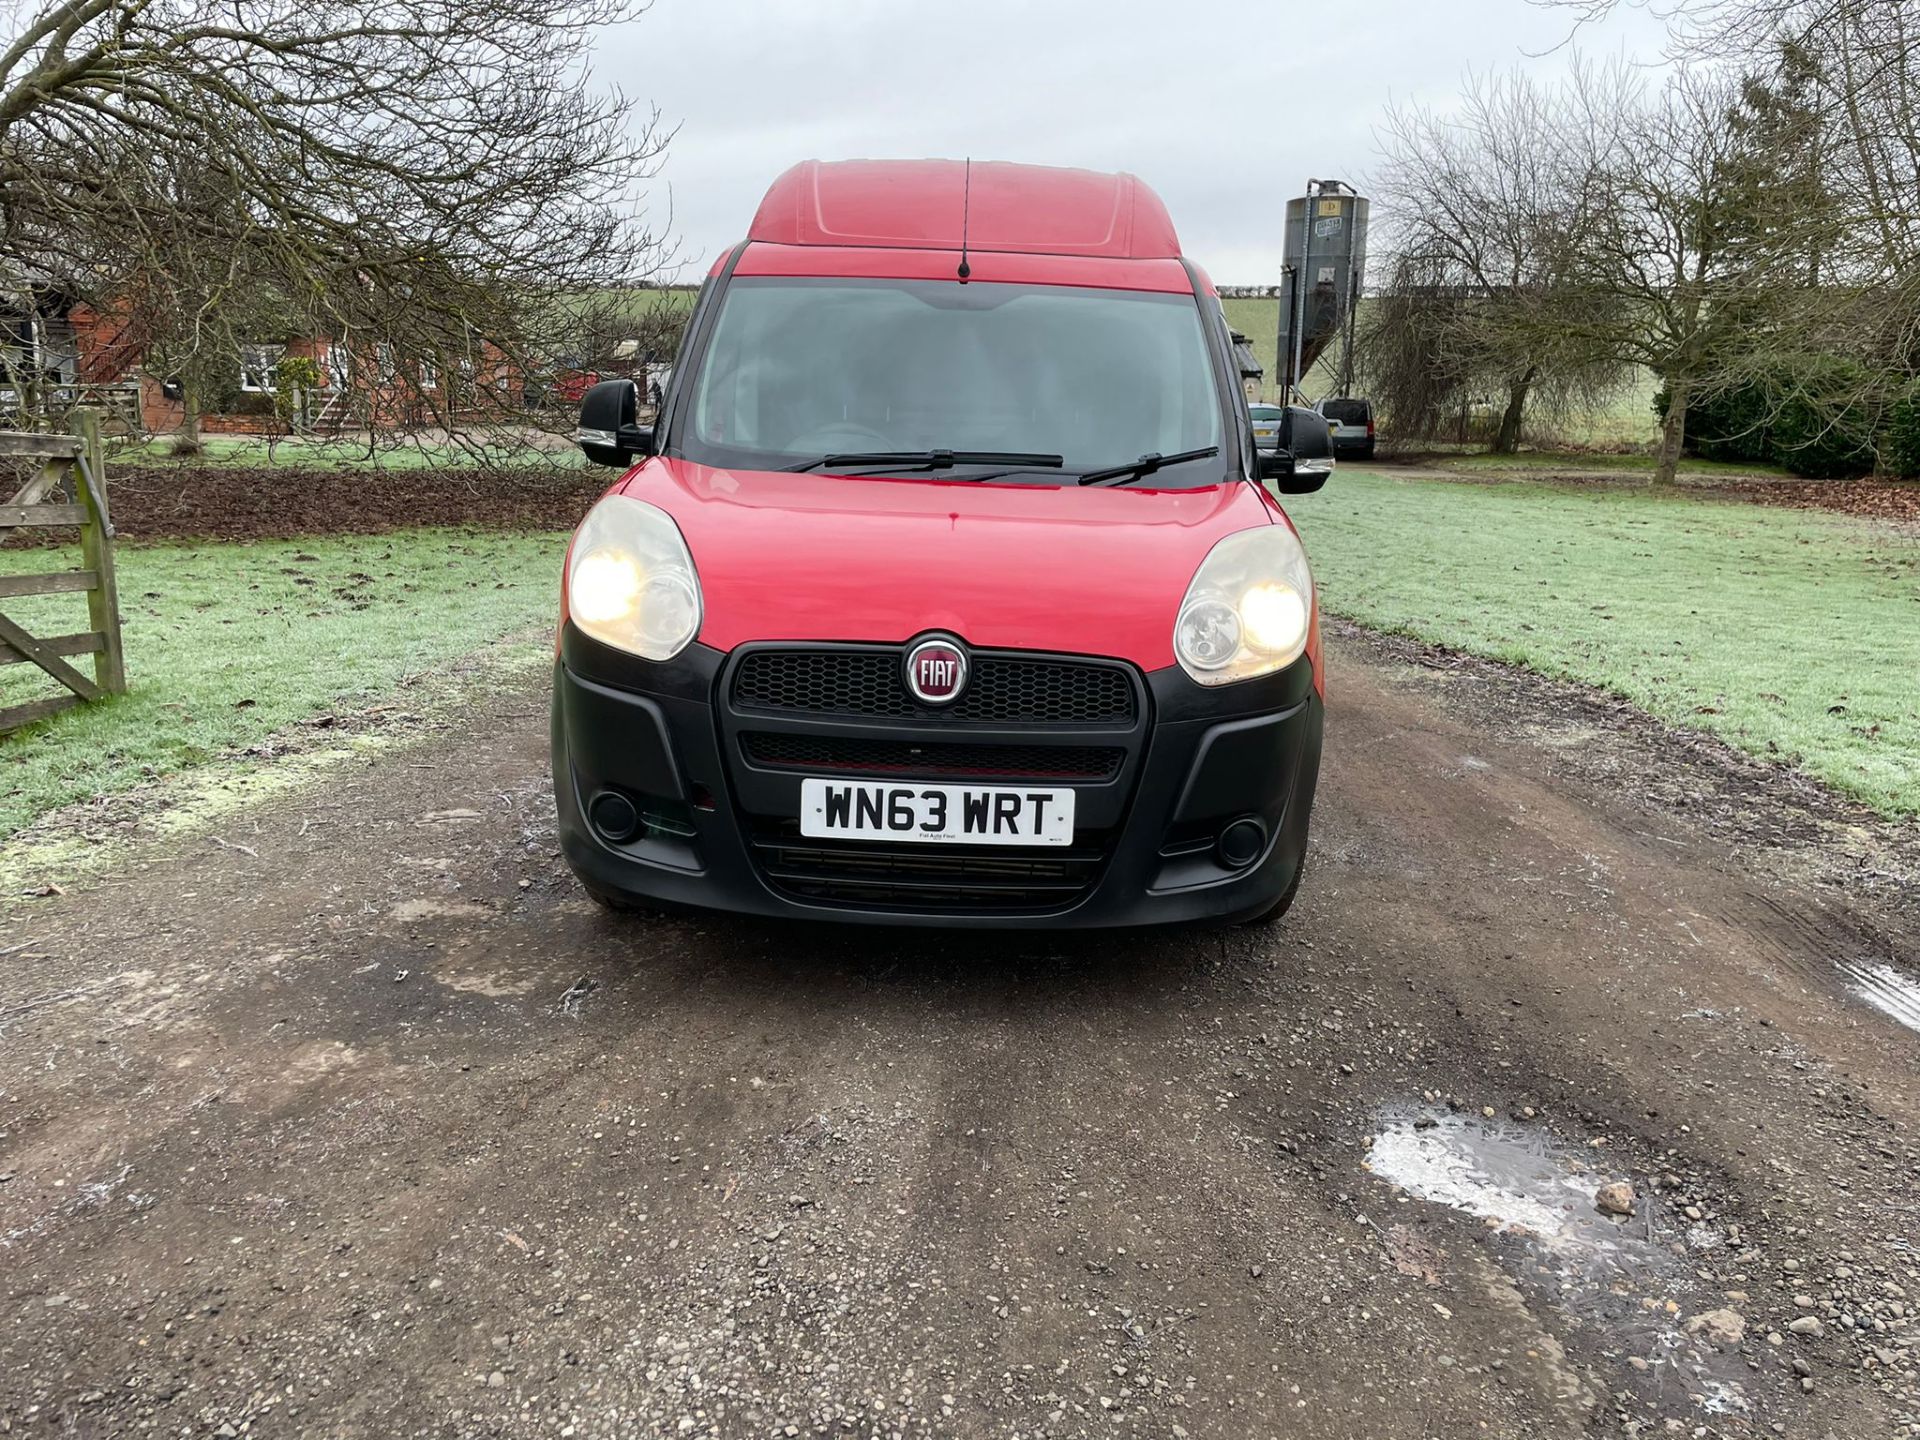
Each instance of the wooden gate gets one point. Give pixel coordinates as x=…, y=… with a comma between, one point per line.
x=68, y=487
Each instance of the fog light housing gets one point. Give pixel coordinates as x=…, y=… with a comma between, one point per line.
x=1241, y=843
x=613, y=816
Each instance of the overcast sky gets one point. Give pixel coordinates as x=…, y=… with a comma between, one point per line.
x=1223, y=106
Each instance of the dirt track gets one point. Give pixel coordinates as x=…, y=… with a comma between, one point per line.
x=385, y=1131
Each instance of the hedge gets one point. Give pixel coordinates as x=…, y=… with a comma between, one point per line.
x=1773, y=419
x=1901, y=447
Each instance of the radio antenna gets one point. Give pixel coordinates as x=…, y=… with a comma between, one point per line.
x=966, y=214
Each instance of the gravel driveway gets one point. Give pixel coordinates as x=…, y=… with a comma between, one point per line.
x=363, y=1122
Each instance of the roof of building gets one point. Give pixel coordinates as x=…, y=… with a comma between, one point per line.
x=923, y=204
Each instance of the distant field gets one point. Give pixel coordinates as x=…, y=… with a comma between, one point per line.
x=637, y=301
x=1627, y=420
x=1259, y=321
x=1790, y=634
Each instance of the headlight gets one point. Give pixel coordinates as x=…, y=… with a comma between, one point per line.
x=1248, y=609
x=630, y=582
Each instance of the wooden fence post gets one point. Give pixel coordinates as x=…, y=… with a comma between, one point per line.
x=77, y=460
x=96, y=550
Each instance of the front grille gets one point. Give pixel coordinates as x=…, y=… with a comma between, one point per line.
x=932, y=757
x=1003, y=689
x=974, y=878
x=1025, y=718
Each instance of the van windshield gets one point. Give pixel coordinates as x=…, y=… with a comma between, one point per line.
x=799, y=369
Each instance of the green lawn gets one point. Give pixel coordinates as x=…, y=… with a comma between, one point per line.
x=227, y=643
x=1792, y=635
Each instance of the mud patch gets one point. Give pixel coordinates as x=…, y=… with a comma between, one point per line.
x=1771, y=819
x=309, y=1064
x=1885, y=989
x=174, y=499
x=411, y=911
x=1620, y=1282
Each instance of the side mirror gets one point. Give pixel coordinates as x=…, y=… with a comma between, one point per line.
x=1304, y=458
x=610, y=432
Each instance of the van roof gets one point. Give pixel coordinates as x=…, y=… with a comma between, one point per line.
x=922, y=204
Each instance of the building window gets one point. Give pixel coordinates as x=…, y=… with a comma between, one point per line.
x=257, y=366
x=338, y=371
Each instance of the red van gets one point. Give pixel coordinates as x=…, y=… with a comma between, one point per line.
x=948, y=587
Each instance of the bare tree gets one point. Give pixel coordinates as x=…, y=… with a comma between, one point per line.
x=1868, y=81
x=1480, y=209
x=1414, y=371
x=1854, y=66
x=435, y=185
x=1691, y=241
x=1736, y=29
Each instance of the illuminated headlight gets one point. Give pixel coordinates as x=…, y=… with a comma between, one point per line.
x=1248, y=609
x=630, y=581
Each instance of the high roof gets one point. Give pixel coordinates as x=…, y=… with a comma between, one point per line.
x=920, y=204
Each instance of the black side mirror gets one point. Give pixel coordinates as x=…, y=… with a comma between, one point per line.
x=1304, y=458
x=610, y=431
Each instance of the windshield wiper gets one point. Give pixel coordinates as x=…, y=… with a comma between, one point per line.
x=934, y=459
x=1145, y=465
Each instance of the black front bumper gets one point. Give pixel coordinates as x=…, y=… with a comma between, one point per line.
x=713, y=772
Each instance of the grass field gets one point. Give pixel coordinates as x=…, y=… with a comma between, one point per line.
x=1793, y=635
x=227, y=643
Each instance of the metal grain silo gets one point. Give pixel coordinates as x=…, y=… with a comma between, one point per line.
x=1326, y=261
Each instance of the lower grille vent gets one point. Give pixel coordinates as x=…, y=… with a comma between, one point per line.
x=973, y=878
x=932, y=758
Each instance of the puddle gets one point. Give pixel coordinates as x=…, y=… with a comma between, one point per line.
x=575, y=998
x=492, y=984
x=1450, y=1164
x=1623, y=1282
x=1885, y=989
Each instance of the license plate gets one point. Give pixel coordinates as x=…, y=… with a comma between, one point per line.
x=936, y=814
